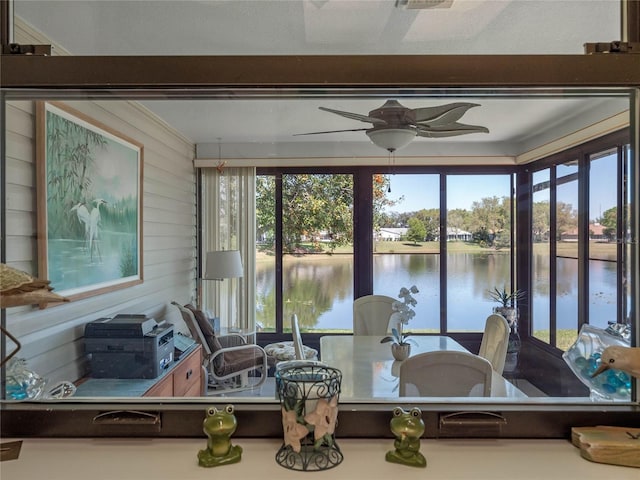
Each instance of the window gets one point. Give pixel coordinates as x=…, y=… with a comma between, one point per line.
x=579, y=277
x=181, y=276
x=306, y=232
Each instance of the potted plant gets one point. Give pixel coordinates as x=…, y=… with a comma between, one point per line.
x=402, y=313
x=508, y=301
x=400, y=344
x=508, y=304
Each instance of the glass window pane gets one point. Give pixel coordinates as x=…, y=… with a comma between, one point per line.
x=265, y=253
x=478, y=247
x=317, y=237
x=541, y=256
x=566, y=254
x=298, y=27
x=406, y=247
x=603, y=212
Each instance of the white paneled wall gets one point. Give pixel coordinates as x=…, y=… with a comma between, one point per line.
x=52, y=337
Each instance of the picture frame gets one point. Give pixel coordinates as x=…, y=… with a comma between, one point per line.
x=89, y=203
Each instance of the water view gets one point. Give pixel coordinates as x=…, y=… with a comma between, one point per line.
x=319, y=289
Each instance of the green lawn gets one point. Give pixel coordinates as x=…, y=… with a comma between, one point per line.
x=568, y=249
x=564, y=338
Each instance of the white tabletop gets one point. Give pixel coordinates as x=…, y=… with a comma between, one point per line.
x=369, y=370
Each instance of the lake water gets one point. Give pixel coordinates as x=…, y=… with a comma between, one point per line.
x=319, y=289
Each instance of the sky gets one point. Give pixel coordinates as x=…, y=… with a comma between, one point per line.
x=422, y=191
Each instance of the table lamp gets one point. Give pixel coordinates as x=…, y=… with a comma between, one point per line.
x=223, y=264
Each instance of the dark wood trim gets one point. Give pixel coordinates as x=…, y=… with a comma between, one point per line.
x=321, y=71
x=356, y=420
x=362, y=228
x=631, y=19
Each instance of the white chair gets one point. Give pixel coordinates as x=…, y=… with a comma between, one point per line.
x=371, y=314
x=445, y=374
x=298, y=346
x=495, y=341
x=293, y=350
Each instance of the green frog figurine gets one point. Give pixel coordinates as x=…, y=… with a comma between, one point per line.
x=219, y=426
x=408, y=427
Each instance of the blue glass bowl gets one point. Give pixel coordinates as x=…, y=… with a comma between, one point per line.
x=583, y=357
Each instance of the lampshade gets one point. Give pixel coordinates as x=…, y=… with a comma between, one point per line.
x=223, y=264
x=391, y=138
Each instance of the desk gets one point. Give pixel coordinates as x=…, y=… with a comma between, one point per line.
x=369, y=370
x=184, y=378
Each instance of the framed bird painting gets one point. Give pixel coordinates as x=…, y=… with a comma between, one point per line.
x=89, y=202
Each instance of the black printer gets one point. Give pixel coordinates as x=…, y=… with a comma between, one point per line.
x=128, y=346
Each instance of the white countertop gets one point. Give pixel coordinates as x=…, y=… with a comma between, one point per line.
x=176, y=459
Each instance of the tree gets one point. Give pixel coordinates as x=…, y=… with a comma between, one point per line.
x=566, y=218
x=430, y=218
x=416, y=231
x=315, y=205
x=541, y=221
x=266, y=208
x=609, y=221
x=490, y=216
x=381, y=202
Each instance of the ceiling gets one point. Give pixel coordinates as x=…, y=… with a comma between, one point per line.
x=266, y=127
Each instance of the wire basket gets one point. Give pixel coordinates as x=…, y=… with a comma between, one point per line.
x=308, y=394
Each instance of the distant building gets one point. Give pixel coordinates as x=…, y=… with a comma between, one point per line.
x=390, y=234
x=458, y=235
x=596, y=233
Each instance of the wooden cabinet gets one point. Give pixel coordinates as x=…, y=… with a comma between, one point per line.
x=183, y=380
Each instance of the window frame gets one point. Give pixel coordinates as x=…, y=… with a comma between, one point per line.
x=582, y=152
x=363, y=243
x=235, y=75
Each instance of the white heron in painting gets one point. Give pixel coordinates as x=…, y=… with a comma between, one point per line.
x=84, y=218
x=94, y=226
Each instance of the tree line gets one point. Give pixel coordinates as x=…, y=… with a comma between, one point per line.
x=317, y=214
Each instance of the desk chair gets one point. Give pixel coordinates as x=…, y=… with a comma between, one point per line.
x=495, y=341
x=371, y=314
x=228, y=359
x=445, y=374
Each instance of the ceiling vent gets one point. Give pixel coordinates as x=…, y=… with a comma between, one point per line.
x=423, y=4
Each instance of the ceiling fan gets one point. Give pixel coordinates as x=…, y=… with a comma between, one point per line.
x=395, y=125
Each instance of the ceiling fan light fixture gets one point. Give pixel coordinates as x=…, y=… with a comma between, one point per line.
x=391, y=139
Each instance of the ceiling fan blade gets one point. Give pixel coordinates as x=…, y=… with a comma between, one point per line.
x=451, y=130
x=332, y=131
x=442, y=114
x=355, y=116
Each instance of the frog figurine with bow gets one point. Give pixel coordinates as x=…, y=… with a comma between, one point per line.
x=408, y=427
x=219, y=425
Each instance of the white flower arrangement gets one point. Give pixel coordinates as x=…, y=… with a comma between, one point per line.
x=402, y=313
x=404, y=307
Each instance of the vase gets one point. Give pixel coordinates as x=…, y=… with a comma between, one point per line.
x=400, y=352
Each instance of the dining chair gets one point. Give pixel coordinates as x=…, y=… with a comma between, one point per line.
x=445, y=374
x=495, y=341
x=291, y=350
x=228, y=359
x=371, y=314
x=297, y=338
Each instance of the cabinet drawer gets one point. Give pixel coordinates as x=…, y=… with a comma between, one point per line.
x=163, y=388
x=187, y=374
x=194, y=391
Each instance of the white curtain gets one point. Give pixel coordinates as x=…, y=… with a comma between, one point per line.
x=228, y=223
